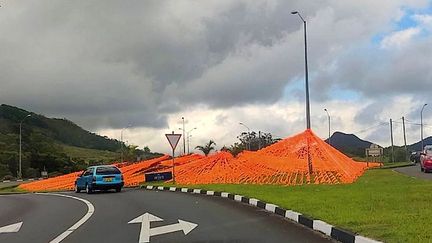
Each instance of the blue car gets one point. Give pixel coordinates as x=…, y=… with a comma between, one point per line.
x=102, y=177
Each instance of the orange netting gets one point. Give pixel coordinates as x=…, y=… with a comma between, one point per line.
x=285, y=162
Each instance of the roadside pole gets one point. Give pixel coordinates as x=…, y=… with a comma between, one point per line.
x=173, y=140
x=405, y=143
x=391, y=138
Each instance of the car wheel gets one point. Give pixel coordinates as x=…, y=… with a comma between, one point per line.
x=118, y=189
x=77, y=189
x=88, y=189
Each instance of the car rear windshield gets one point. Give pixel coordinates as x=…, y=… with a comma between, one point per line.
x=107, y=171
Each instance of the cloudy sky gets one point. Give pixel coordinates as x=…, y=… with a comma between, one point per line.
x=108, y=64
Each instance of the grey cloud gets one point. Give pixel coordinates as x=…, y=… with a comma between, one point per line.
x=106, y=64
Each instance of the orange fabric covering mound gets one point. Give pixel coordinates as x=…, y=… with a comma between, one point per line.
x=282, y=163
x=133, y=173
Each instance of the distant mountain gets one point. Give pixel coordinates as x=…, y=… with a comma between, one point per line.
x=61, y=130
x=349, y=144
x=417, y=146
x=58, y=145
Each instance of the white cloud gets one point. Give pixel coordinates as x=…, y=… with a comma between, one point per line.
x=423, y=19
x=399, y=38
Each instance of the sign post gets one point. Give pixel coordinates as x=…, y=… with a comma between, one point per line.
x=373, y=151
x=173, y=140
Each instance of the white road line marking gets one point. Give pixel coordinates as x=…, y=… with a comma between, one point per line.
x=182, y=225
x=145, y=220
x=13, y=228
x=90, y=211
x=146, y=232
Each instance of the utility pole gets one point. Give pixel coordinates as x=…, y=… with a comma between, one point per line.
x=391, y=137
x=404, y=133
x=421, y=126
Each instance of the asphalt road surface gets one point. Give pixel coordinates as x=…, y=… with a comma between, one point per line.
x=116, y=218
x=415, y=172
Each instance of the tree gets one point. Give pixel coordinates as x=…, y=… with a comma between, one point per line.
x=207, y=148
x=253, y=141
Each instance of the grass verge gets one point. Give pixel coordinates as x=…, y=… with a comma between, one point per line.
x=382, y=204
x=11, y=190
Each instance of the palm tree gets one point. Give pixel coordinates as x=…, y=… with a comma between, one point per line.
x=207, y=148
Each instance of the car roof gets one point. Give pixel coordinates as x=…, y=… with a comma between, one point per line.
x=98, y=166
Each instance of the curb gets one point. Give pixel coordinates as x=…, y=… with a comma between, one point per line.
x=19, y=180
x=335, y=233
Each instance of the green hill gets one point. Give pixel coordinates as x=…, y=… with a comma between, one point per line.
x=58, y=145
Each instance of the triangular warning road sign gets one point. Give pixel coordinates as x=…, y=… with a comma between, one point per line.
x=173, y=139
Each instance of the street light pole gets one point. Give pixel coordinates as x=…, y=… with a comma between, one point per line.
x=188, y=136
x=241, y=123
x=121, y=142
x=421, y=125
x=308, y=122
x=328, y=116
x=20, y=148
x=184, y=141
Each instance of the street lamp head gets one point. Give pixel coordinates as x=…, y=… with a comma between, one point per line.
x=28, y=115
x=294, y=12
x=325, y=109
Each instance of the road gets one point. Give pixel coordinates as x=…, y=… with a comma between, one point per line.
x=415, y=172
x=217, y=219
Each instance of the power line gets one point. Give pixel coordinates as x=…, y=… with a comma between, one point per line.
x=371, y=127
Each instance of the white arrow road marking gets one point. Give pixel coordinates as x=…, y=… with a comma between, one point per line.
x=145, y=220
x=13, y=228
x=181, y=225
x=90, y=211
x=146, y=231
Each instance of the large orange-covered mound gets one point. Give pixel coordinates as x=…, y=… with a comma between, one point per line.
x=285, y=162
x=133, y=174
